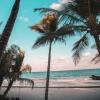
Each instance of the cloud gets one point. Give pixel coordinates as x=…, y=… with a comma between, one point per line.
x=59, y=5
x=56, y=6
x=64, y=1
x=24, y=19
x=86, y=54
x=61, y=63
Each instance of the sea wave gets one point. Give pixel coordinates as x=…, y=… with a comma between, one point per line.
x=58, y=82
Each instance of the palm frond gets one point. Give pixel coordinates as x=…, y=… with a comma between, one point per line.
x=71, y=18
x=45, y=10
x=79, y=46
x=80, y=28
x=45, y=39
x=0, y=23
x=27, y=80
x=64, y=31
x=78, y=11
x=69, y=30
x=42, y=40
x=96, y=59
x=59, y=39
x=38, y=28
x=93, y=46
x=85, y=6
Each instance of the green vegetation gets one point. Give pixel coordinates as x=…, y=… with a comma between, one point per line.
x=10, y=65
x=48, y=25
x=77, y=17
x=80, y=17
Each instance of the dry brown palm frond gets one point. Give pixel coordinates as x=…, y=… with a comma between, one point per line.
x=47, y=24
x=37, y=27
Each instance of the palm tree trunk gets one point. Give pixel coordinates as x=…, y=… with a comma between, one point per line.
x=8, y=87
x=97, y=41
x=8, y=28
x=48, y=72
x=1, y=81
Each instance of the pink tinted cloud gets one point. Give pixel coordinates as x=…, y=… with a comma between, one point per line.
x=65, y=63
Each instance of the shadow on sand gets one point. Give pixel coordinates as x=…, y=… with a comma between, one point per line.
x=7, y=98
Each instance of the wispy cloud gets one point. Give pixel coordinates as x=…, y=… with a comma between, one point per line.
x=24, y=19
x=64, y=63
x=64, y=1
x=86, y=54
x=59, y=5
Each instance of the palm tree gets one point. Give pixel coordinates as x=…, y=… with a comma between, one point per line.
x=7, y=32
x=27, y=68
x=8, y=28
x=13, y=69
x=89, y=11
x=82, y=16
x=45, y=39
x=46, y=27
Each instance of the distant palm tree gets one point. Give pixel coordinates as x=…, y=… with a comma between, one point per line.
x=82, y=16
x=46, y=27
x=27, y=68
x=8, y=28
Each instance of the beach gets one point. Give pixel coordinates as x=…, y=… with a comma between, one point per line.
x=56, y=93
x=68, y=82
x=80, y=88
x=60, y=87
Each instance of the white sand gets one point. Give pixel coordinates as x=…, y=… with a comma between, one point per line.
x=56, y=93
x=87, y=89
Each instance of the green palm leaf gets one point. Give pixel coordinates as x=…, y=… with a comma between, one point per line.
x=79, y=46
x=41, y=41
x=45, y=10
x=96, y=58
x=46, y=38
x=64, y=31
x=93, y=46
x=38, y=27
x=0, y=23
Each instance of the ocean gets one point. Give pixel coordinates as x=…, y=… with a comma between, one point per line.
x=69, y=78
x=62, y=74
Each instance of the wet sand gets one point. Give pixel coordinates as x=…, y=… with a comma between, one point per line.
x=55, y=93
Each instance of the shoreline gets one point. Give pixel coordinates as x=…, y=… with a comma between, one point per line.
x=53, y=87
x=83, y=82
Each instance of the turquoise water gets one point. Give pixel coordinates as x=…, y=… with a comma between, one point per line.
x=62, y=74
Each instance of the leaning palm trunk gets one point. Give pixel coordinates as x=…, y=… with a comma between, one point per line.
x=8, y=28
x=8, y=87
x=12, y=81
x=48, y=72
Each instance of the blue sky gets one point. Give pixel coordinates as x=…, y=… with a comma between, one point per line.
x=25, y=38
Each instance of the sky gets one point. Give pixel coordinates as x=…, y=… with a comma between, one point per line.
x=25, y=38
